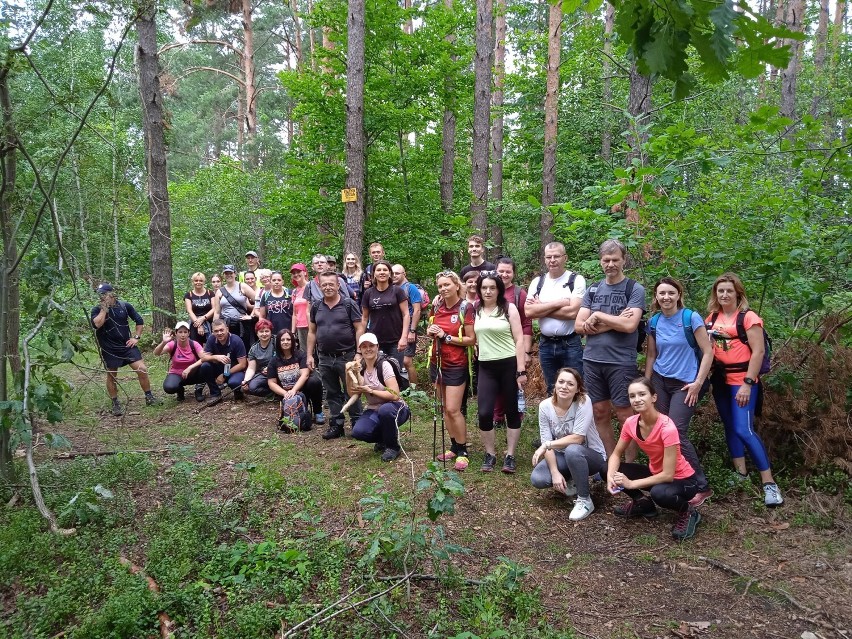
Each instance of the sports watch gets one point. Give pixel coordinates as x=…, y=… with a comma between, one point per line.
x=750, y=381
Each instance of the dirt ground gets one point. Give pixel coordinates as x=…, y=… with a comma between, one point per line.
x=749, y=572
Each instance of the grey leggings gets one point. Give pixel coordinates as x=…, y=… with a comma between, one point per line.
x=576, y=461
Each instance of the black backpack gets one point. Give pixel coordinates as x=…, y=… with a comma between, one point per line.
x=401, y=380
x=569, y=285
x=642, y=329
x=742, y=335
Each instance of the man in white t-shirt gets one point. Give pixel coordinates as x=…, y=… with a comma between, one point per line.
x=554, y=299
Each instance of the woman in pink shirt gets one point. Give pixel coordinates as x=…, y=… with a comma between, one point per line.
x=299, y=275
x=185, y=360
x=668, y=477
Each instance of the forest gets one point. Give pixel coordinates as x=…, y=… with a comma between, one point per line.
x=143, y=141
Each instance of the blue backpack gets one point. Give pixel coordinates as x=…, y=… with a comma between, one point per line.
x=687, y=331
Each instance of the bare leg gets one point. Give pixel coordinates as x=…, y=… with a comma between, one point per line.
x=112, y=387
x=512, y=437
x=408, y=362
x=453, y=396
x=142, y=373
x=622, y=413
x=488, y=441
x=602, y=412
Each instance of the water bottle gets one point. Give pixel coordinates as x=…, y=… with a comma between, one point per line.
x=227, y=371
x=522, y=402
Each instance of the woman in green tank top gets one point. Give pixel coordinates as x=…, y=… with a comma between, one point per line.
x=499, y=340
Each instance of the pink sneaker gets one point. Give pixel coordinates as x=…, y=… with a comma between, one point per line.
x=446, y=456
x=461, y=463
x=701, y=497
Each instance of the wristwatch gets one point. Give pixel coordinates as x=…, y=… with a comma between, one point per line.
x=520, y=374
x=750, y=381
x=448, y=338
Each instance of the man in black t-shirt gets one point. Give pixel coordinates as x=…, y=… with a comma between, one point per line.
x=476, y=251
x=334, y=328
x=118, y=348
x=225, y=361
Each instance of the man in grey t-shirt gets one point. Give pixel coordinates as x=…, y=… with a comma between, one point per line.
x=609, y=318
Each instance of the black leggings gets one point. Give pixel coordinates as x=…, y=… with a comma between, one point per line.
x=673, y=495
x=498, y=377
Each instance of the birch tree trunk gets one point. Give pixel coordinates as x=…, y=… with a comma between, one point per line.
x=250, y=111
x=789, y=75
x=551, y=107
x=159, y=229
x=356, y=160
x=481, y=117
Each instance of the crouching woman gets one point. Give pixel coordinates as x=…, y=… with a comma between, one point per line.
x=571, y=449
x=668, y=477
x=287, y=375
x=386, y=411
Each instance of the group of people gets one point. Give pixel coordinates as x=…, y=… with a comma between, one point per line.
x=255, y=336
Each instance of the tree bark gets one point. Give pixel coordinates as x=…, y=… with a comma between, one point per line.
x=159, y=229
x=497, y=127
x=638, y=106
x=481, y=117
x=297, y=33
x=789, y=75
x=820, y=54
x=448, y=146
x=606, y=134
x=356, y=158
x=81, y=212
x=312, y=41
x=551, y=107
x=8, y=281
x=250, y=111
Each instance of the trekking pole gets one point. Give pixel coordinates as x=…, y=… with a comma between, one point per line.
x=226, y=390
x=439, y=392
x=435, y=405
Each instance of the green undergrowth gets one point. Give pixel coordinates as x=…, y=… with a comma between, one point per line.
x=247, y=556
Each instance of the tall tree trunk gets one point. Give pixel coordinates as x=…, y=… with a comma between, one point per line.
x=497, y=127
x=820, y=54
x=790, y=75
x=312, y=41
x=9, y=334
x=115, y=188
x=448, y=146
x=81, y=213
x=551, y=107
x=356, y=153
x=780, y=7
x=403, y=167
x=408, y=25
x=606, y=134
x=297, y=33
x=481, y=117
x=250, y=81
x=159, y=229
x=638, y=106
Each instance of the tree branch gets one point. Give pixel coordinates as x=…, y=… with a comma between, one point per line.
x=217, y=43
x=191, y=70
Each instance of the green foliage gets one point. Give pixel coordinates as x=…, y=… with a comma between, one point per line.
x=447, y=486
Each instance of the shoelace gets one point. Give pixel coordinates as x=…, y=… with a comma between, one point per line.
x=682, y=521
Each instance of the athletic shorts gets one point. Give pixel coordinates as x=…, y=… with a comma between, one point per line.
x=118, y=357
x=411, y=349
x=608, y=381
x=449, y=376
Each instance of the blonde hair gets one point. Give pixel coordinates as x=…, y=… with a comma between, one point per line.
x=451, y=275
x=358, y=270
x=713, y=305
x=194, y=275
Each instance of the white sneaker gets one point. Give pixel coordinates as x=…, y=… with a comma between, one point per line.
x=583, y=507
x=772, y=495
x=570, y=488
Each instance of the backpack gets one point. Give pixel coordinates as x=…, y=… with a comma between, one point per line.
x=193, y=346
x=687, y=331
x=294, y=414
x=401, y=380
x=742, y=335
x=424, y=297
x=569, y=285
x=642, y=329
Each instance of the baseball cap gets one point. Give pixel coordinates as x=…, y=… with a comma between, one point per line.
x=298, y=266
x=229, y=267
x=252, y=253
x=104, y=288
x=182, y=325
x=368, y=337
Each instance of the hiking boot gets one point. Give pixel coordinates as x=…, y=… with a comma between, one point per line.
x=150, y=400
x=333, y=432
x=701, y=497
x=488, y=463
x=583, y=507
x=643, y=507
x=461, y=463
x=180, y=395
x=319, y=418
x=117, y=410
x=772, y=495
x=199, y=393
x=379, y=448
x=570, y=488
x=214, y=399
x=390, y=454
x=685, y=524
x=509, y=465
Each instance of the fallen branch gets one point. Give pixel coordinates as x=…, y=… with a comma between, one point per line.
x=421, y=577
x=105, y=453
x=166, y=624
